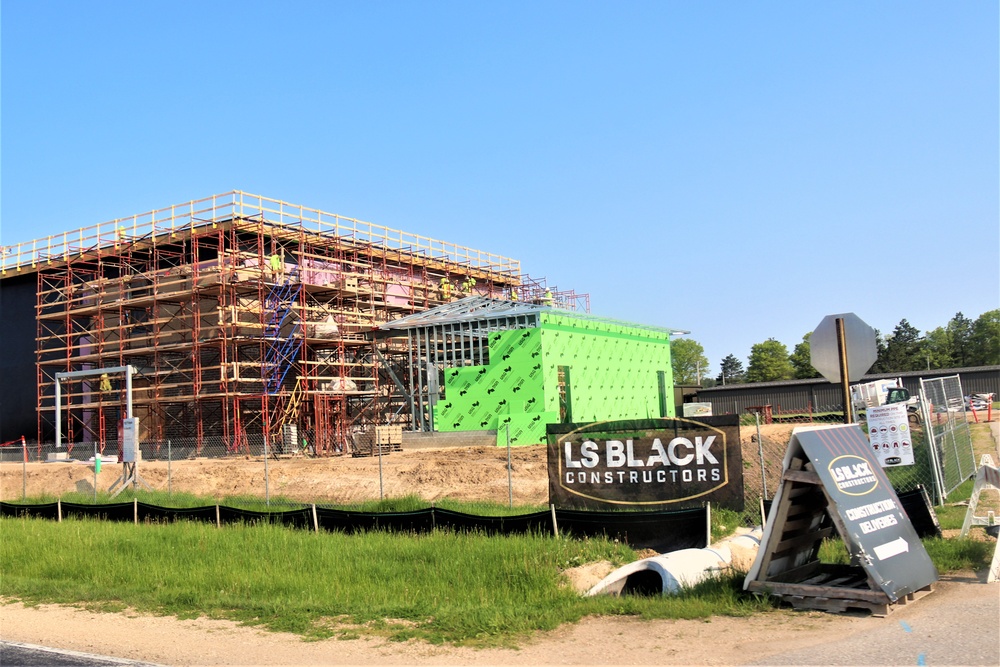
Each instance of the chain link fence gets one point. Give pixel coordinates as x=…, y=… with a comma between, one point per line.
x=256, y=474
x=942, y=444
x=285, y=474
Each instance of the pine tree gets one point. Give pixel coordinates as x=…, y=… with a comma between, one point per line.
x=960, y=335
x=903, y=349
x=732, y=371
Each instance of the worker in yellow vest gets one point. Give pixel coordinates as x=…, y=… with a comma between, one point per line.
x=547, y=299
x=513, y=294
x=277, y=265
x=445, y=289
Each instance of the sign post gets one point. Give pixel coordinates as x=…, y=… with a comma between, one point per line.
x=842, y=348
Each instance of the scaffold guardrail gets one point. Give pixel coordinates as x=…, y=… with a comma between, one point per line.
x=196, y=214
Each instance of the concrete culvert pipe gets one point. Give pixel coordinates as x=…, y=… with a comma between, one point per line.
x=669, y=573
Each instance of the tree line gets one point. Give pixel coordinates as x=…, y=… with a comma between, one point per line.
x=961, y=343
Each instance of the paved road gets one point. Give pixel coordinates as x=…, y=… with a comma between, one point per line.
x=959, y=627
x=14, y=654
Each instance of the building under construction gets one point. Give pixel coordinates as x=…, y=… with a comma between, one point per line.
x=239, y=314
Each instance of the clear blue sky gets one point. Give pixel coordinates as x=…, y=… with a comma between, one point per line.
x=736, y=169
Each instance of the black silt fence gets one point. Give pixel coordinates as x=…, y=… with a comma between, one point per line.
x=663, y=531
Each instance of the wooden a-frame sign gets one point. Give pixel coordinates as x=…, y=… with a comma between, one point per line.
x=832, y=484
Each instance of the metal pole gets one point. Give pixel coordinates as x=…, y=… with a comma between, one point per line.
x=24, y=471
x=170, y=459
x=128, y=396
x=844, y=382
x=760, y=452
x=510, y=482
x=378, y=443
x=267, y=487
x=97, y=464
x=58, y=415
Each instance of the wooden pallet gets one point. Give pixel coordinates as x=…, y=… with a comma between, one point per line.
x=373, y=450
x=837, y=589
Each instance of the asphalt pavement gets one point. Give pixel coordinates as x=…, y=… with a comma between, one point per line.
x=15, y=654
x=961, y=626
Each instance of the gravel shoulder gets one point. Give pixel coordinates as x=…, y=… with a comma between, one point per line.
x=957, y=624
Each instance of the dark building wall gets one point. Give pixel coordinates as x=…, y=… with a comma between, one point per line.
x=820, y=395
x=17, y=358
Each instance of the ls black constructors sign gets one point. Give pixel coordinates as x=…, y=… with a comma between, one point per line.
x=876, y=530
x=663, y=463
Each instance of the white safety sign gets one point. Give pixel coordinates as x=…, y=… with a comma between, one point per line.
x=890, y=436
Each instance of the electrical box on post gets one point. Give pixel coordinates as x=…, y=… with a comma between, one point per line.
x=130, y=440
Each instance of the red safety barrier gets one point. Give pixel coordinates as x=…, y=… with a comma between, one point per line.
x=24, y=446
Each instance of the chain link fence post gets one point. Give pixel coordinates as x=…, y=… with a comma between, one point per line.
x=760, y=452
x=24, y=470
x=510, y=478
x=267, y=481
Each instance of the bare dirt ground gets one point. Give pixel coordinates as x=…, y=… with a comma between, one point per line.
x=785, y=637
x=471, y=473
x=461, y=474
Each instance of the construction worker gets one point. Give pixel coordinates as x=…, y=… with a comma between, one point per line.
x=547, y=299
x=105, y=382
x=513, y=294
x=445, y=289
x=469, y=285
x=277, y=265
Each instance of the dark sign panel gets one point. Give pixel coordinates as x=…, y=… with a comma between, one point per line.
x=665, y=463
x=876, y=530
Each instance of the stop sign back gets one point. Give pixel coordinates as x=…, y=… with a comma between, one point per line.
x=860, y=342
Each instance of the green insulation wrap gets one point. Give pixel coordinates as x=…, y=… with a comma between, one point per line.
x=615, y=372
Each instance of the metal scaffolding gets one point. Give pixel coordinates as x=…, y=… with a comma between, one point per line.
x=241, y=314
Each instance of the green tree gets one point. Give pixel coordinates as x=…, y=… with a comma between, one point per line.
x=880, y=365
x=802, y=359
x=903, y=349
x=732, y=371
x=688, y=360
x=938, y=349
x=984, y=340
x=769, y=361
x=960, y=336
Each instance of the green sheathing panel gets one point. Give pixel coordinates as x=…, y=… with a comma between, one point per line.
x=614, y=368
x=613, y=373
x=482, y=397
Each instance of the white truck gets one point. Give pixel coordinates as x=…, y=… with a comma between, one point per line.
x=882, y=392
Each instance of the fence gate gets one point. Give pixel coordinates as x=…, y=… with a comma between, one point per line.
x=948, y=436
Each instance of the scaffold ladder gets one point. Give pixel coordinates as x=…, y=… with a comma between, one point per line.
x=290, y=412
x=281, y=351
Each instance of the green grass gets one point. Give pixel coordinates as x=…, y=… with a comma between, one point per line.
x=439, y=587
x=951, y=555
x=724, y=522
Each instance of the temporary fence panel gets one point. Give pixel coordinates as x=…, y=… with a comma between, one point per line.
x=948, y=434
